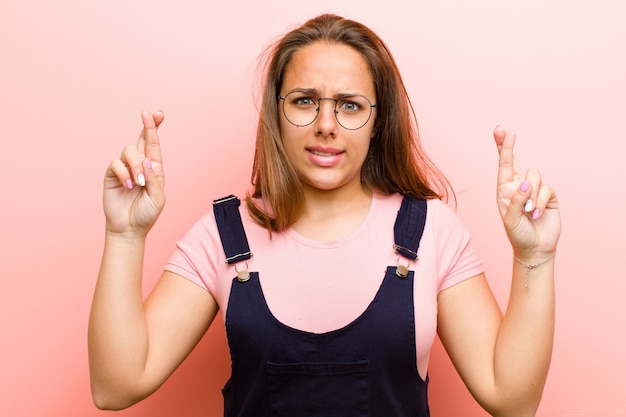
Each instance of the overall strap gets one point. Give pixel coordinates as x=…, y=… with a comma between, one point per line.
x=230, y=227
x=409, y=226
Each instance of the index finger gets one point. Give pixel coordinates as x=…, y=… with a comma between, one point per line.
x=148, y=143
x=507, y=168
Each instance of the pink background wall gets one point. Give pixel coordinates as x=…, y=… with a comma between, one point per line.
x=74, y=76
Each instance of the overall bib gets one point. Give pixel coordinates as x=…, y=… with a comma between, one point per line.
x=366, y=369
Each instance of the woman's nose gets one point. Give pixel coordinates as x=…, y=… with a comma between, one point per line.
x=326, y=121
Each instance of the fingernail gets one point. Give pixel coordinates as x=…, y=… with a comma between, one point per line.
x=141, y=180
x=129, y=184
x=524, y=186
x=148, y=163
x=528, y=206
x=536, y=214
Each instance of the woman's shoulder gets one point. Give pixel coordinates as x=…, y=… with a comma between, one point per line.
x=387, y=201
x=393, y=201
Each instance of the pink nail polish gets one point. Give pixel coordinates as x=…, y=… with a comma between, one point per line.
x=148, y=163
x=524, y=186
x=129, y=184
x=536, y=214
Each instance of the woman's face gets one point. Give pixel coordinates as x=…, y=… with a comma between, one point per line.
x=325, y=155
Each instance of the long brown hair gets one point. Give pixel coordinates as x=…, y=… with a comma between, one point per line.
x=395, y=163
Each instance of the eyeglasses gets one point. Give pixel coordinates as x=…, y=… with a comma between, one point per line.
x=351, y=111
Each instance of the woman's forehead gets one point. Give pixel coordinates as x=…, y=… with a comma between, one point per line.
x=328, y=69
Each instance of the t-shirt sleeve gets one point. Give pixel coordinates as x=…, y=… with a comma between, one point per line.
x=194, y=257
x=457, y=257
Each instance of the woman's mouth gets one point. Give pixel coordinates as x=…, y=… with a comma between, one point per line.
x=325, y=157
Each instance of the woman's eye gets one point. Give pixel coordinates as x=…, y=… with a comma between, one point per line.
x=349, y=106
x=305, y=101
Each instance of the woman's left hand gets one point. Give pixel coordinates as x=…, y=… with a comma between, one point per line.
x=529, y=208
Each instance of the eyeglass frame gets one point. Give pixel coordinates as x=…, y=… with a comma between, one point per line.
x=319, y=106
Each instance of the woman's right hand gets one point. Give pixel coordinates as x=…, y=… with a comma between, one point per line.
x=134, y=183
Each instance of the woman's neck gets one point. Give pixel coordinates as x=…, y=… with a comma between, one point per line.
x=332, y=215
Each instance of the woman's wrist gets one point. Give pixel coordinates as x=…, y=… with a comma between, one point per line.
x=534, y=261
x=530, y=266
x=125, y=238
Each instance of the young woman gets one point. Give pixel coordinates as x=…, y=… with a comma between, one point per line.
x=343, y=262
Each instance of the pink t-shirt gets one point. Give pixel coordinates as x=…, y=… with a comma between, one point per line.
x=318, y=286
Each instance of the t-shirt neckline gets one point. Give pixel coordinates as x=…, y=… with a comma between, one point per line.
x=293, y=234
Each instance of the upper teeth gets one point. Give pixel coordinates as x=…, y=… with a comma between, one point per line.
x=322, y=153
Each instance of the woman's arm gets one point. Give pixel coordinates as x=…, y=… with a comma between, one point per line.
x=134, y=346
x=504, y=360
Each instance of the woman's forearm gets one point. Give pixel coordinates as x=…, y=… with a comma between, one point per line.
x=524, y=343
x=118, y=338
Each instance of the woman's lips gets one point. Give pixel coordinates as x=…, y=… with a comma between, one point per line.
x=325, y=157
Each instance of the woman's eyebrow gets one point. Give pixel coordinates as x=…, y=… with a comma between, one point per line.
x=310, y=91
x=315, y=92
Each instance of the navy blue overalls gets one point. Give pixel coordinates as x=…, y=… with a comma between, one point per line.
x=365, y=369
